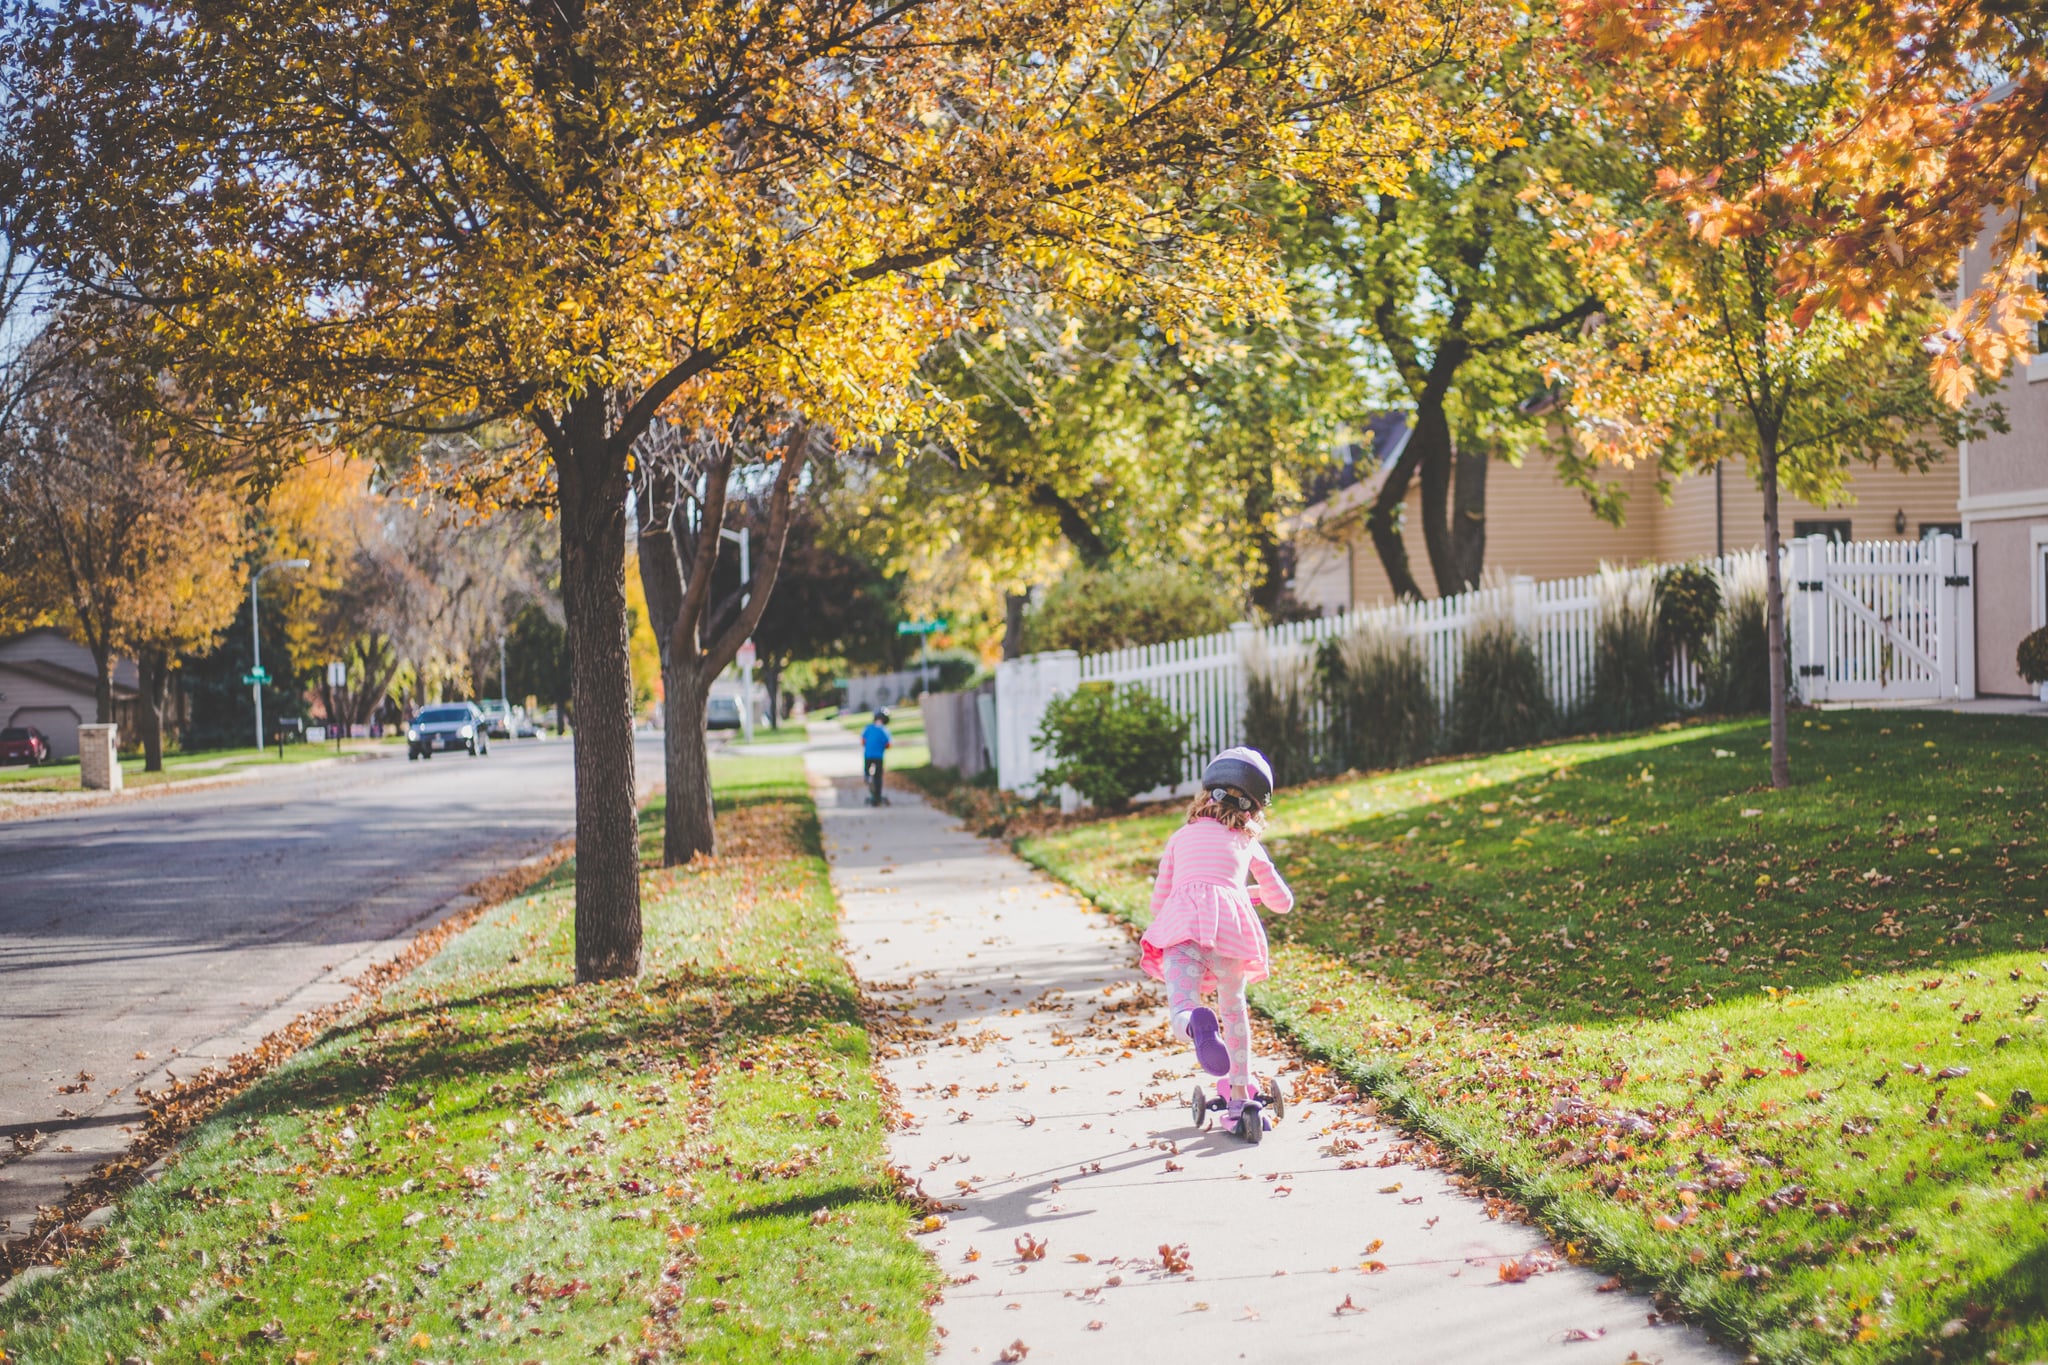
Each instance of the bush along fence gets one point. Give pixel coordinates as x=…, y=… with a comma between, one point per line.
x=1523, y=660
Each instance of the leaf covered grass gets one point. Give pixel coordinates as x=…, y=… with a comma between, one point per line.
x=1778, y=1054
x=494, y=1163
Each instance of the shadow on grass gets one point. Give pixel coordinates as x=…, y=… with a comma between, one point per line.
x=571, y=1029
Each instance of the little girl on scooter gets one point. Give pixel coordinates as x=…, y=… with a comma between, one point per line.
x=1205, y=935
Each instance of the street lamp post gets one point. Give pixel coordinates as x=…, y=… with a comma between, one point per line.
x=504, y=688
x=746, y=668
x=256, y=674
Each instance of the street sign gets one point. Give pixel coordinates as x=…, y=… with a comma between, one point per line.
x=919, y=627
x=256, y=675
x=337, y=674
x=745, y=658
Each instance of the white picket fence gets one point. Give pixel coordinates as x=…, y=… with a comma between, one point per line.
x=1867, y=620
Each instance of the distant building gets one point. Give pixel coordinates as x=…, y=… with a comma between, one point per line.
x=1539, y=526
x=46, y=680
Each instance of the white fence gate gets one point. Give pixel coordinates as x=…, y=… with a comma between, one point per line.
x=1867, y=620
x=1882, y=620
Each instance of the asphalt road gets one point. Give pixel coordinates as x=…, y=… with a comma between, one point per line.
x=151, y=926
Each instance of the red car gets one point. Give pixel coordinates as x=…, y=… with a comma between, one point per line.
x=24, y=744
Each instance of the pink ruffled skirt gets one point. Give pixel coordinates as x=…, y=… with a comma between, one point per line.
x=1218, y=918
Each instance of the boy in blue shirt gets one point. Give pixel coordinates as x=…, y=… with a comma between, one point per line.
x=874, y=742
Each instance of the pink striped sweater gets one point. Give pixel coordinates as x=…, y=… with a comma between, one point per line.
x=1200, y=897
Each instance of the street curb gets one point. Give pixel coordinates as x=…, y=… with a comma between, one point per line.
x=68, y=805
x=337, y=992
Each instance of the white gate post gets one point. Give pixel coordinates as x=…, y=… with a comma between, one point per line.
x=1024, y=688
x=1806, y=617
x=1956, y=616
x=1943, y=559
x=1522, y=605
x=1242, y=633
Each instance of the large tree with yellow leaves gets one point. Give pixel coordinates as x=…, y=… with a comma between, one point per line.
x=589, y=215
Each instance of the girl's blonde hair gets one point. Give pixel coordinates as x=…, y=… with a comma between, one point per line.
x=1207, y=807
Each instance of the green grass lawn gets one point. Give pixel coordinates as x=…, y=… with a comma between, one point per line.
x=495, y=1164
x=1780, y=1055
x=62, y=774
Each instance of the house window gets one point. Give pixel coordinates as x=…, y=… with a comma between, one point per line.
x=1837, y=531
x=2041, y=327
x=1930, y=529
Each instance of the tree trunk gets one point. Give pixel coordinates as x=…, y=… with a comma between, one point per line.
x=591, y=486
x=1468, y=515
x=1013, y=623
x=1456, y=553
x=1384, y=525
x=687, y=826
x=1774, y=613
x=103, y=685
x=155, y=669
x=1262, y=531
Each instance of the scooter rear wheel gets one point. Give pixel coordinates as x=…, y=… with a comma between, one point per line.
x=1250, y=1126
x=1198, y=1101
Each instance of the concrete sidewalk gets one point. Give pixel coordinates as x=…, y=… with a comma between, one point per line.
x=1088, y=1220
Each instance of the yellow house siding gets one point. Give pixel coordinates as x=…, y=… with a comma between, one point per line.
x=1538, y=526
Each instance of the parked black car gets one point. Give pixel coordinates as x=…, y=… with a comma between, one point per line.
x=449, y=725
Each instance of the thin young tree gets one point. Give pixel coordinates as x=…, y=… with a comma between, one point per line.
x=1705, y=355
x=683, y=492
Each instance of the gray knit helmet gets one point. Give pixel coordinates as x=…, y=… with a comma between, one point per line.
x=1242, y=770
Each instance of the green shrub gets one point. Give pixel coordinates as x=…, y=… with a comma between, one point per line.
x=1626, y=689
x=952, y=669
x=1382, y=711
x=1688, y=606
x=1501, y=702
x=1279, y=714
x=2033, y=657
x=1109, y=744
x=1095, y=610
x=1737, y=670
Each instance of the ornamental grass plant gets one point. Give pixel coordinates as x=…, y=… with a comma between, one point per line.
x=1501, y=701
x=1383, y=712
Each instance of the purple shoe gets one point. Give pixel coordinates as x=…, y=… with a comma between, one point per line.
x=1208, y=1040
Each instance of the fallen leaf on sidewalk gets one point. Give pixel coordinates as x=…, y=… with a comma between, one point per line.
x=1348, y=1307
x=1029, y=1248
x=1014, y=1352
x=1394, y=1188
x=1581, y=1334
x=1374, y=1245
x=1175, y=1259
x=1373, y=1267
x=1527, y=1267
x=1081, y=1256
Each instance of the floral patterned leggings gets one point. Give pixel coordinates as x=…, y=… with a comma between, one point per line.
x=1186, y=964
